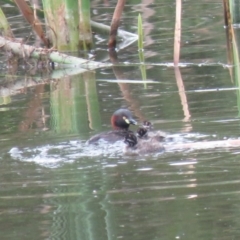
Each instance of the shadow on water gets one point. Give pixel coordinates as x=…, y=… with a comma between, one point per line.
x=54, y=186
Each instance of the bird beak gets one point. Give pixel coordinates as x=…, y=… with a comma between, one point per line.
x=129, y=121
x=133, y=122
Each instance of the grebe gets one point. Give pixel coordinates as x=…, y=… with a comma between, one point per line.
x=146, y=132
x=120, y=121
x=142, y=146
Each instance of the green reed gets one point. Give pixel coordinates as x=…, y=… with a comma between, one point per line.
x=68, y=24
x=140, y=33
x=4, y=25
x=140, y=50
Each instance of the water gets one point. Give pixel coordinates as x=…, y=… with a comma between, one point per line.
x=53, y=186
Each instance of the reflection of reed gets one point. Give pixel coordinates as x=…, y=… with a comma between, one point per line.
x=34, y=113
x=74, y=104
x=125, y=87
x=176, y=58
x=182, y=94
x=177, y=42
x=92, y=100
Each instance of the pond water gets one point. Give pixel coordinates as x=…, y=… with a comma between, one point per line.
x=53, y=186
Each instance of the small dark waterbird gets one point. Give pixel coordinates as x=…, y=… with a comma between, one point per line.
x=120, y=121
x=142, y=146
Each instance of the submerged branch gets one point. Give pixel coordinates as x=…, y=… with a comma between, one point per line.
x=128, y=37
x=46, y=55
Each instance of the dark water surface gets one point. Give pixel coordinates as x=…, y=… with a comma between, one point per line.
x=53, y=186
